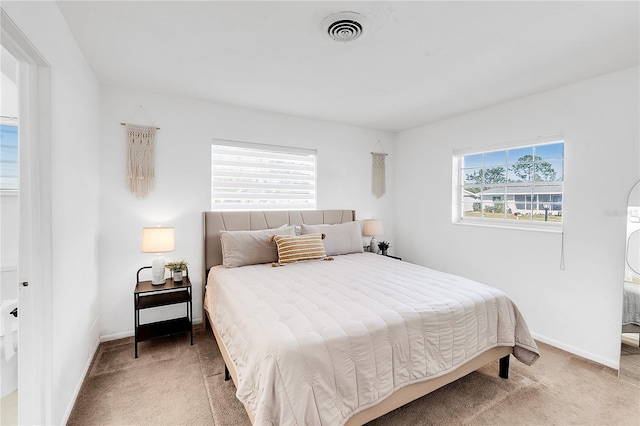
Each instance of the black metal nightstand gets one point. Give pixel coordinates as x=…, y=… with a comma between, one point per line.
x=147, y=295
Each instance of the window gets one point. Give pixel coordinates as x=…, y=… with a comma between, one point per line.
x=8, y=157
x=246, y=176
x=523, y=184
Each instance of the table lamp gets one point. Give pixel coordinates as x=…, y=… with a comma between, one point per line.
x=158, y=240
x=373, y=227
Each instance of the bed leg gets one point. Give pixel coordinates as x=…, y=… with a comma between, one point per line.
x=205, y=322
x=227, y=376
x=504, y=367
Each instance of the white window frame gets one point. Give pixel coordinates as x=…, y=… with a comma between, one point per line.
x=245, y=177
x=459, y=185
x=10, y=166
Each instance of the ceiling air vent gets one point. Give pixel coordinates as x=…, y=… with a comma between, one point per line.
x=344, y=26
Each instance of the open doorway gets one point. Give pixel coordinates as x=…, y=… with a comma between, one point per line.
x=9, y=216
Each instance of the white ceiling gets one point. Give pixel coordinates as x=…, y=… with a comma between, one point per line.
x=417, y=63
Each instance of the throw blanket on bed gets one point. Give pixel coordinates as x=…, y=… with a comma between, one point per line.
x=316, y=342
x=631, y=304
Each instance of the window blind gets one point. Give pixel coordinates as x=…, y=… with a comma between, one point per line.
x=261, y=177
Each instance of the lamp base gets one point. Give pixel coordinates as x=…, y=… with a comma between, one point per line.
x=157, y=271
x=373, y=247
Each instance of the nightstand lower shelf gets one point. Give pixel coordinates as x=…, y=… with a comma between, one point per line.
x=163, y=328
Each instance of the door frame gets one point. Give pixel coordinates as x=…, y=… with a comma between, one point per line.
x=35, y=353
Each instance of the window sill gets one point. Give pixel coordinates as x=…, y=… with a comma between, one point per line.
x=555, y=228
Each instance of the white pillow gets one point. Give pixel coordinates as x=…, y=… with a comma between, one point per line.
x=240, y=248
x=343, y=238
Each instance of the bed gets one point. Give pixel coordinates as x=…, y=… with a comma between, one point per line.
x=348, y=340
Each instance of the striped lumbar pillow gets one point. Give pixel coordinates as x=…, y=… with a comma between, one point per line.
x=294, y=248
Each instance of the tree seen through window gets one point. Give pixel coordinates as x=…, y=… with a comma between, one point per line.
x=523, y=183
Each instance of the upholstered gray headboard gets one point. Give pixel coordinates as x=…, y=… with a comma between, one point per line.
x=214, y=222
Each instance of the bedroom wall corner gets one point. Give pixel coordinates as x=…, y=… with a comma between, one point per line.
x=578, y=307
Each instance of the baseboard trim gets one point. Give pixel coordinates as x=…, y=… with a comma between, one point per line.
x=116, y=336
x=76, y=391
x=615, y=364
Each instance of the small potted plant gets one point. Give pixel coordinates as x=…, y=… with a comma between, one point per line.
x=176, y=269
x=384, y=246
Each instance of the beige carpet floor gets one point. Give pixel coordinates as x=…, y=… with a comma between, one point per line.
x=173, y=383
x=630, y=363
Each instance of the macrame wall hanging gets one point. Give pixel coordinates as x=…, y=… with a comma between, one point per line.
x=378, y=175
x=140, y=155
x=140, y=159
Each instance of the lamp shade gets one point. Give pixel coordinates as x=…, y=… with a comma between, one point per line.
x=158, y=239
x=373, y=227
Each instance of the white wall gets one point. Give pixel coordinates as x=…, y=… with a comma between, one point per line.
x=75, y=185
x=183, y=183
x=579, y=308
x=9, y=214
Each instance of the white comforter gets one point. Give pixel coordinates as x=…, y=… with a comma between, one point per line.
x=631, y=304
x=316, y=342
